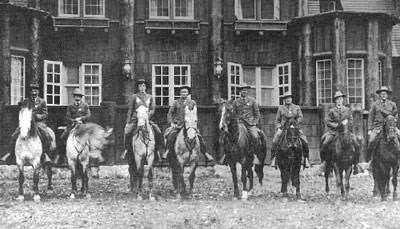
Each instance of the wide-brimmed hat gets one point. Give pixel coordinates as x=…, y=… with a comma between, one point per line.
x=384, y=88
x=287, y=94
x=338, y=94
x=243, y=86
x=77, y=91
x=142, y=81
x=34, y=85
x=186, y=87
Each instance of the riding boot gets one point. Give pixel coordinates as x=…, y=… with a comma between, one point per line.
x=305, y=155
x=273, y=155
x=356, y=167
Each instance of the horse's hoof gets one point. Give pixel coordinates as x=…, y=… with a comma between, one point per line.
x=245, y=195
x=36, y=198
x=88, y=196
x=235, y=198
x=151, y=198
x=72, y=196
x=20, y=198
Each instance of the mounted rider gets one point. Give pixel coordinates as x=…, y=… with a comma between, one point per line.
x=40, y=113
x=248, y=112
x=284, y=111
x=176, y=119
x=142, y=98
x=379, y=110
x=336, y=115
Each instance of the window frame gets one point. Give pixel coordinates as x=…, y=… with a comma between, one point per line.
x=172, y=11
x=329, y=2
x=258, y=11
x=23, y=80
x=289, y=84
x=171, y=84
x=230, y=84
x=94, y=16
x=362, y=79
x=60, y=84
x=61, y=3
x=324, y=79
x=82, y=83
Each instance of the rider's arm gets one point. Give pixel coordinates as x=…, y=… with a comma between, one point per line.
x=330, y=119
x=256, y=112
x=299, y=116
x=371, y=116
x=87, y=111
x=44, y=112
x=152, y=107
x=350, y=119
x=131, y=107
x=395, y=112
x=68, y=116
x=171, y=112
x=278, y=119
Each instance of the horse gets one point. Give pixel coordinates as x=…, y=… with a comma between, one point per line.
x=143, y=143
x=84, y=142
x=289, y=156
x=341, y=159
x=237, y=147
x=386, y=158
x=186, y=152
x=29, y=151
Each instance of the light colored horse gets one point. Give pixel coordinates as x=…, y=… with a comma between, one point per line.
x=187, y=149
x=83, y=143
x=28, y=151
x=143, y=143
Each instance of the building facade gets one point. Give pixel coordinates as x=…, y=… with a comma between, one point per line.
x=307, y=47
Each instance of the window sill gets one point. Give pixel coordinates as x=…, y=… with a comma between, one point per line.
x=81, y=22
x=260, y=25
x=171, y=24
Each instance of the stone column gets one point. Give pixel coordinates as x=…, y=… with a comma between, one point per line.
x=5, y=56
x=216, y=46
x=307, y=76
x=372, y=76
x=128, y=43
x=339, y=55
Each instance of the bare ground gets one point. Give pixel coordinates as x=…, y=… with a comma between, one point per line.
x=113, y=206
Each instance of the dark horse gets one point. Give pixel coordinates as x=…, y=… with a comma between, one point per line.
x=238, y=147
x=340, y=158
x=386, y=158
x=289, y=155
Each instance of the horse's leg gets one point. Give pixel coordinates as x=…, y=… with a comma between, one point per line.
x=73, y=181
x=296, y=178
x=192, y=175
x=394, y=182
x=85, y=181
x=139, y=177
x=250, y=175
x=36, y=171
x=49, y=177
x=244, y=182
x=327, y=174
x=338, y=177
x=285, y=176
x=260, y=172
x=347, y=181
x=131, y=175
x=21, y=180
x=232, y=165
x=150, y=160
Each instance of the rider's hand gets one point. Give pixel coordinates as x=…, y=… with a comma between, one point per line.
x=369, y=132
x=173, y=125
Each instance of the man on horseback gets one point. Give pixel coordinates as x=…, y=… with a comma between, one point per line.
x=247, y=111
x=176, y=119
x=41, y=113
x=338, y=114
x=379, y=110
x=142, y=98
x=288, y=110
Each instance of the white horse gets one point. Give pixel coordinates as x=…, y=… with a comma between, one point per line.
x=143, y=143
x=187, y=148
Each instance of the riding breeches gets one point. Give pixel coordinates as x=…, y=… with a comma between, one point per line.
x=372, y=141
x=302, y=138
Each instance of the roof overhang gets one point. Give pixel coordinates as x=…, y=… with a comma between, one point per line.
x=24, y=9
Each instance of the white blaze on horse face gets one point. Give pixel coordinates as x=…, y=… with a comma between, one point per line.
x=191, y=121
x=142, y=115
x=25, y=118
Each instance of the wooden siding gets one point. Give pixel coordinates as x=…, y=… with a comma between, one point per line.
x=313, y=7
x=386, y=6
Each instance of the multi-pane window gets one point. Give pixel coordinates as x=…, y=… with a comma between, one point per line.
x=355, y=80
x=73, y=8
x=61, y=80
x=327, y=6
x=17, y=79
x=167, y=79
x=324, y=81
x=257, y=9
x=94, y=8
x=92, y=83
x=52, y=89
x=172, y=9
x=267, y=84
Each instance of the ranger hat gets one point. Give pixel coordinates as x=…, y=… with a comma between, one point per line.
x=142, y=81
x=287, y=94
x=77, y=91
x=338, y=94
x=243, y=86
x=384, y=88
x=34, y=85
x=186, y=87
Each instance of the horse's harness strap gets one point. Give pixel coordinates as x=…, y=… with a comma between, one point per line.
x=83, y=146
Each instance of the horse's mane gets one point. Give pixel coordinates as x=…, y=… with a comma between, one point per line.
x=87, y=128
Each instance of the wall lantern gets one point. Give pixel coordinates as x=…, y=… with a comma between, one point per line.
x=127, y=69
x=218, y=67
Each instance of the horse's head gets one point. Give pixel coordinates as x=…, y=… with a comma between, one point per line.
x=389, y=127
x=191, y=122
x=292, y=132
x=97, y=136
x=142, y=116
x=26, y=120
x=226, y=111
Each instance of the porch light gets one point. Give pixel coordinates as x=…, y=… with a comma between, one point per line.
x=218, y=67
x=126, y=69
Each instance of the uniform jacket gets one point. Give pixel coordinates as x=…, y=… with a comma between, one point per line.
x=78, y=111
x=247, y=110
x=288, y=111
x=137, y=100
x=375, y=119
x=176, y=113
x=40, y=109
x=336, y=115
